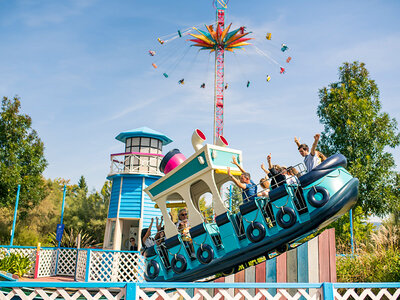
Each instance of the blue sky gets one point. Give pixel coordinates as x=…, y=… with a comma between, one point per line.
x=84, y=75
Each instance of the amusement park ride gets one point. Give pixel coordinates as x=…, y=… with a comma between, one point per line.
x=261, y=227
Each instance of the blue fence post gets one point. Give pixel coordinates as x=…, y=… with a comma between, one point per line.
x=15, y=216
x=230, y=197
x=87, y=266
x=327, y=290
x=62, y=210
x=130, y=291
x=351, y=231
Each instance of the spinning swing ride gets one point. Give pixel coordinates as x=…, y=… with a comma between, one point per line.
x=215, y=39
x=262, y=227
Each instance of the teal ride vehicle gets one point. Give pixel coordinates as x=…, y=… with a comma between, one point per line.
x=257, y=229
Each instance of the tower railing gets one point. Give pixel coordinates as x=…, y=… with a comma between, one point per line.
x=135, y=163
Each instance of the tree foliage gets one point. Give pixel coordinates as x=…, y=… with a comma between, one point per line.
x=233, y=198
x=354, y=125
x=377, y=260
x=22, y=159
x=361, y=230
x=87, y=212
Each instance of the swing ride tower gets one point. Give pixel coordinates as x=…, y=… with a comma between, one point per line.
x=219, y=41
x=219, y=85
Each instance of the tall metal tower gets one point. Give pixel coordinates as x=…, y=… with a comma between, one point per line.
x=219, y=40
x=219, y=85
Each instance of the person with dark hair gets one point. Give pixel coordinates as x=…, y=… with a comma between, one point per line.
x=311, y=160
x=133, y=246
x=249, y=188
x=147, y=240
x=277, y=173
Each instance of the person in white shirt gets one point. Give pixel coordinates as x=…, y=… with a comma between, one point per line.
x=311, y=160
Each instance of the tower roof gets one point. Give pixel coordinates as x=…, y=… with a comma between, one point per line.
x=143, y=132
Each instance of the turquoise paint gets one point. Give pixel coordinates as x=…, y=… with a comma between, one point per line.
x=15, y=214
x=87, y=265
x=229, y=237
x=256, y=216
x=333, y=182
x=112, y=177
x=328, y=291
x=149, y=211
x=187, y=171
x=282, y=202
x=131, y=291
x=302, y=263
x=199, y=285
x=143, y=132
x=223, y=158
x=131, y=197
x=291, y=190
x=180, y=249
x=205, y=239
x=270, y=269
x=114, y=200
x=6, y=276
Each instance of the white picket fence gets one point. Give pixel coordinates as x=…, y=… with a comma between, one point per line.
x=89, y=265
x=196, y=291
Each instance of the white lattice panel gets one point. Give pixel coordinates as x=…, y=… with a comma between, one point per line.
x=362, y=294
x=108, y=266
x=28, y=252
x=103, y=266
x=131, y=267
x=62, y=293
x=66, y=262
x=81, y=265
x=216, y=294
x=47, y=263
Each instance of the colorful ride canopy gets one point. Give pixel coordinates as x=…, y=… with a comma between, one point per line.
x=220, y=38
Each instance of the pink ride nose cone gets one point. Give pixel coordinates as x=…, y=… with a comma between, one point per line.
x=171, y=160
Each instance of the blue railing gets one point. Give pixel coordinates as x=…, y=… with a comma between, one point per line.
x=113, y=291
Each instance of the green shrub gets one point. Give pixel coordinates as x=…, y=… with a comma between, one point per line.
x=378, y=260
x=6, y=262
x=15, y=263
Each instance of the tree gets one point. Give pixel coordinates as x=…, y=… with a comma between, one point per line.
x=361, y=231
x=354, y=125
x=82, y=184
x=206, y=210
x=21, y=158
x=88, y=212
x=234, y=197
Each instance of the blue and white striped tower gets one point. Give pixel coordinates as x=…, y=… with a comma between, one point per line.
x=131, y=171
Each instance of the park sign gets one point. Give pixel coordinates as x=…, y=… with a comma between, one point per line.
x=59, y=232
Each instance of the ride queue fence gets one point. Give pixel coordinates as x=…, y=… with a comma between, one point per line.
x=89, y=265
x=195, y=291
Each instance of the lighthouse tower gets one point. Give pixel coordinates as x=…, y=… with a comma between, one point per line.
x=131, y=171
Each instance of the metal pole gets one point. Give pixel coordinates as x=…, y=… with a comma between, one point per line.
x=351, y=232
x=15, y=216
x=230, y=197
x=62, y=210
x=219, y=85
